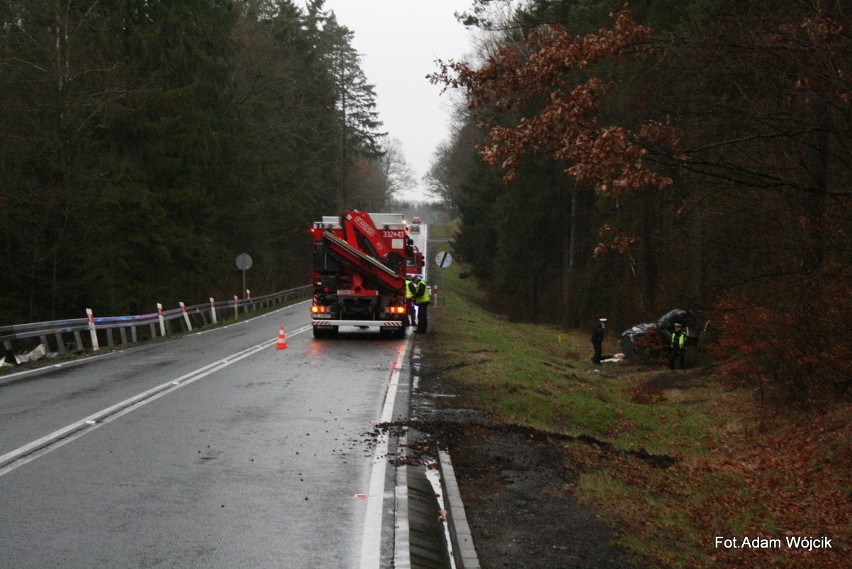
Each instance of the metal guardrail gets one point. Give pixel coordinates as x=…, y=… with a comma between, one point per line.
x=80, y=334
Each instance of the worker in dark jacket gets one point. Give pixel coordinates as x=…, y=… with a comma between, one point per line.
x=598, y=333
x=678, y=345
x=422, y=297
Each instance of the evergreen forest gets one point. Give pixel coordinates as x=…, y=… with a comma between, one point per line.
x=144, y=144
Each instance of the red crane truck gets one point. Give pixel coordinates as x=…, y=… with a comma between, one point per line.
x=359, y=272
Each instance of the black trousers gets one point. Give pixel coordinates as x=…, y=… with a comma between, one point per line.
x=597, y=356
x=422, y=317
x=675, y=357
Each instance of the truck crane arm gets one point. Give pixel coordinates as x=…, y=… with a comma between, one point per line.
x=361, y=233
x=364, y=264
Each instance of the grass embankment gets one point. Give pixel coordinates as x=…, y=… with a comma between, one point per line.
x=739, y=474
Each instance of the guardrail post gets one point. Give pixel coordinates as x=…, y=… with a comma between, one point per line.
x=123, y=333
x=213, y=310
x=79, y=340
x=162, y=322
x=92, y=331
x=248, y=299
x=186, y=317
x=60, y=345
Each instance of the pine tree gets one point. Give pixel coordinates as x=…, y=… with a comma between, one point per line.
x=355, y=97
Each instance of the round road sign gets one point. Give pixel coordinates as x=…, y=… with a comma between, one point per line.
x=443, y=259
x=244, y=261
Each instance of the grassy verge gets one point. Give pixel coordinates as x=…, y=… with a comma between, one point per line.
x=739, y=473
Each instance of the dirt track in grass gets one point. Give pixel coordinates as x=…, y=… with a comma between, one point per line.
x=516, y=485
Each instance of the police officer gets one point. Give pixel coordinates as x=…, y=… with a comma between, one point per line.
x=598, y=333
x=411, y=315
x=678, y=345
x=422, y=298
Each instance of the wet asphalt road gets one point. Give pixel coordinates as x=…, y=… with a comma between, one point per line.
x=256, y=457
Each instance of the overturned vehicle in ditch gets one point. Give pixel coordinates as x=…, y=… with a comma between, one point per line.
x=651, y=340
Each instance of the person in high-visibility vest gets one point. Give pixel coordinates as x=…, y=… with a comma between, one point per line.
x=422, y=297
x=678, y=345
x=410, y=311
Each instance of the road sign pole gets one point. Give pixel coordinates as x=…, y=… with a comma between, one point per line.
x=244, y=263
x=443, y=298
x=443, y=259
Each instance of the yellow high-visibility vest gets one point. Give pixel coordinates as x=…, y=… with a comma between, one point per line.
x=425, y=295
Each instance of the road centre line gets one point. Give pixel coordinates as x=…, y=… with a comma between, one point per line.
x=39, y=447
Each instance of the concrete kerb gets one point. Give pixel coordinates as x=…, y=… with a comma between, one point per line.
x=464, y=552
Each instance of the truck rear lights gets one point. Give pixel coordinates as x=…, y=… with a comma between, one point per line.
x=396, y=310
x=315, y=309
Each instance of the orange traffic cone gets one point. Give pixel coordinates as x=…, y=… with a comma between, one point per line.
x=282, y=340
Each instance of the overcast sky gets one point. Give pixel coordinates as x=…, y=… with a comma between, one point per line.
x=399, y=41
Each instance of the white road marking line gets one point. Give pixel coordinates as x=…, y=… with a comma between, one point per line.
x=372, y=539
x=39, y=447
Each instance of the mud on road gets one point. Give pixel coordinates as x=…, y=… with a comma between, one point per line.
x=515, y=483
